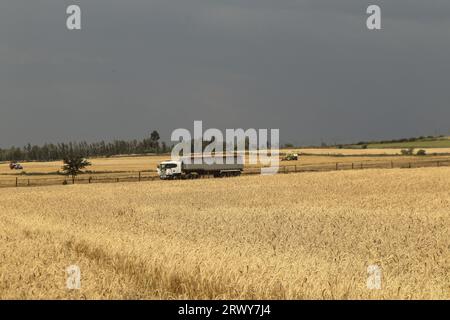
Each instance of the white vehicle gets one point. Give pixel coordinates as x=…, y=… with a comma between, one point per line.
x=182, y=169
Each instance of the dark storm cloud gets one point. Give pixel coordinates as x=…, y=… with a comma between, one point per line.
x=310, y=68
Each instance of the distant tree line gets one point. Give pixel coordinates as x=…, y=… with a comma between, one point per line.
x=53, y=152
x=414, y=139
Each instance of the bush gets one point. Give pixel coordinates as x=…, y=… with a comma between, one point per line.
x=421, y=152
x=407, y=152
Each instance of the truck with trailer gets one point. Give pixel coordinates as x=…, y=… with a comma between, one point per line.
x=184, y=169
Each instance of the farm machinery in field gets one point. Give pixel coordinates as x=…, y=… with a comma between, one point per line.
x=15, y=166
x=290, y=157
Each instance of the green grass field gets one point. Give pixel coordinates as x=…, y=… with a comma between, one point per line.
x=441, y=142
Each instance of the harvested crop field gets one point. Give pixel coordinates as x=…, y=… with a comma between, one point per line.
x=296, y=236
x=133, y=168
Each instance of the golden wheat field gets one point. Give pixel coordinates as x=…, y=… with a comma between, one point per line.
x=296, y=236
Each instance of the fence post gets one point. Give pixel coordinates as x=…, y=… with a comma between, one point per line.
x=410, y=165
x=90, y=178
x=17, y=182
x=337, y=166
x=361, y=165
x=139, y=176
x=353, y=166
x=28, y=182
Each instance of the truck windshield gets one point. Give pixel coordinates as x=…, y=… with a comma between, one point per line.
x=168, y=166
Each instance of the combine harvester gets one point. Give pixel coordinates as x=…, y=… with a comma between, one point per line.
x=184, y=169
x=290, y=157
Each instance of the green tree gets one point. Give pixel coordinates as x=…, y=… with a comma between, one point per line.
x=154, y=140
x=73, y=165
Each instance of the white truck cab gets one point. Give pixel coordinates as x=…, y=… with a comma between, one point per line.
x=169, y=169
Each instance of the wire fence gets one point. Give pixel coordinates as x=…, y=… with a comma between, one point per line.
x=335, y=166
x=139, y=176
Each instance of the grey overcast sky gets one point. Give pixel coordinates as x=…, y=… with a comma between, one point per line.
x=308, y=67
